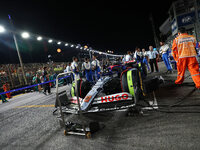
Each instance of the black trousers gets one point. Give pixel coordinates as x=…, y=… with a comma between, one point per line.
x=47, y=87
x=153, y=64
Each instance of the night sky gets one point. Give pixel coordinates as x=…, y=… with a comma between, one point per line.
x=104, y=25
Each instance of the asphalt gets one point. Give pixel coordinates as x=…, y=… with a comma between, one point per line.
x=26, y=122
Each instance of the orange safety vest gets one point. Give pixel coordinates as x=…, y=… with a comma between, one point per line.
x=184, y=46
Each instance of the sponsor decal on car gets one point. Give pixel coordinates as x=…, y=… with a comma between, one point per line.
x=114, y=98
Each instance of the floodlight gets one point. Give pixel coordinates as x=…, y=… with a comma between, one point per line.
x=39, y=38
x=2, y=29
x=25, y=35
x=50, y=40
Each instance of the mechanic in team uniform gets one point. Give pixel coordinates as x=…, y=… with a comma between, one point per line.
x=184, y=53
x=138, y=55
x=68, y=71
x=86, y=67
x=68, y=68
x=75, y=68
x=96, y=68
x=139, y=58
x=128, y=56
x=164, y=50
x=145, y=56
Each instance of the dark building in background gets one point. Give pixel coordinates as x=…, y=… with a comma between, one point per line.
x=182, y=13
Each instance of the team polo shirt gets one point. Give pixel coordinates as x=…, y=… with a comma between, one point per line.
x=164, y=49
x=152, y=54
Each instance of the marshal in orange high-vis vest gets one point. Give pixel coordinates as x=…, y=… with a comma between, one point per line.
x=184, y=53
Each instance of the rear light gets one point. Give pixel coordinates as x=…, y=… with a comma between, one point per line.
x=87, y=99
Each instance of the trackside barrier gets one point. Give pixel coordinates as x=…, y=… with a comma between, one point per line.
x=30, y=86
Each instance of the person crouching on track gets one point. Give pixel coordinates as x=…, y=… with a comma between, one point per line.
x=96, y=68
x=75, y=68
x=86, y=67
x=164, y=50
x=184, y=53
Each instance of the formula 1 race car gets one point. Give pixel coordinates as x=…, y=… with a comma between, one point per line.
x=111, y=92
x=121, y=88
